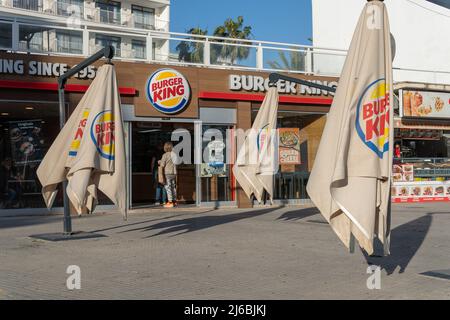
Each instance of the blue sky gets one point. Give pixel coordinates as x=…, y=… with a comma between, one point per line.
x=287, y=21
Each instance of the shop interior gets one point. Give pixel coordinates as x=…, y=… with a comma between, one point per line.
x=27, y=129
x=291, y=180
x=147, y=143
x=428, y=150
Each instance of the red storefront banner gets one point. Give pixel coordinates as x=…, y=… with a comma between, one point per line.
x=419, y=199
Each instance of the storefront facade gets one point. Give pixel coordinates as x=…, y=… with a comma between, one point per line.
x=421, y=170
x=208, y=100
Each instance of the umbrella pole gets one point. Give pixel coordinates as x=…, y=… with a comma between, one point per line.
x=67, y=221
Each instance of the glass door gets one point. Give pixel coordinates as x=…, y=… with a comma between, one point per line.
x=215, y=171
x=147, y=141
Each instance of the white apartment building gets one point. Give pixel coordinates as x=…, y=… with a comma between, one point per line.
x=421, y=33
x=80, y=27
x=421, y=29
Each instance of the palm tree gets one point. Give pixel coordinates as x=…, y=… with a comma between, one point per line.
x=232, y=29
x=295, y=62
x=190, y=51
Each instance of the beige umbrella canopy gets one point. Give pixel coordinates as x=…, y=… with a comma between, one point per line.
x=257, y=158
x=350, y=179
x=89, y=151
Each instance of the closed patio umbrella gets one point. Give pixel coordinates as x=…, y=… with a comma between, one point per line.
x=257, y=158
x=89, y=152
x=350, y=179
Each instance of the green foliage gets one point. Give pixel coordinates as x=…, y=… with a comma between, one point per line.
x=234, y=30
x=296, y=61
x=190, y=51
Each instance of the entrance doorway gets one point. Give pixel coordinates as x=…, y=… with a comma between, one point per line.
x=147, y=140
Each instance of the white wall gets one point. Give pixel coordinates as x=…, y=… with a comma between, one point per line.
x=421, y=30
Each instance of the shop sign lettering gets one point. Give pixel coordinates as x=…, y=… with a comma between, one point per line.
x=41, y=69
x=253, y=83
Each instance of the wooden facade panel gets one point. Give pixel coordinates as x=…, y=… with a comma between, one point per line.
x=244, y=121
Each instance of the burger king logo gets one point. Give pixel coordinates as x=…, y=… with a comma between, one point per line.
x=372, y=117
x=76, y=141
x=262, y=137
x=168, y=91
x=102, y=134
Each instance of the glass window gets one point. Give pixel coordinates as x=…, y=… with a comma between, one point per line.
x=5, y=35
x=103, y=40
x=32, y=38
x=69, y=41
x=35, y=5
x=216, y=175
x=291, y=178
x=444, y=3
x=109, y=11
x=27, y=129
x=70, y=8
x=143, y=17
x=139, y=50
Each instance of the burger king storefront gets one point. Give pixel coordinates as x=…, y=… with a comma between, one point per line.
x=191, y=106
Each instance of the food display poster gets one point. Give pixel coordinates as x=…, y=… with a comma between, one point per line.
x=26, y=141
x=403, y=173
x=425, y=104
x=420, y=192
x=289, y=146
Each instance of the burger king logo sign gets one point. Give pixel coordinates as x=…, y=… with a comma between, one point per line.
x=102, y=134
x=372, y=117
x=168, y=91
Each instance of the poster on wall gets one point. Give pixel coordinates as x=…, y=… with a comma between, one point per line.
x=425, y=104
x=403, y=173
x=421, y=191
x=26, y=141
x=213, y=169
x=289, y=146
x=216, y=160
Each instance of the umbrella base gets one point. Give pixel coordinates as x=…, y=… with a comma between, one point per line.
x=76, y=235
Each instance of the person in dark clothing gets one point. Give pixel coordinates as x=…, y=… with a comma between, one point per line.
x=9, y=193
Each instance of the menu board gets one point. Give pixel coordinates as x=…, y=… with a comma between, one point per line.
x=425, y=104
x=421, y=191
x=289, y=146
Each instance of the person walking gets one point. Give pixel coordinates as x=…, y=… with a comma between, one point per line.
x=170, y=175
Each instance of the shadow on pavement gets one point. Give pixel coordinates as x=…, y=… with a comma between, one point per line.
x=17, y=222
x=199, y=223
x=136, y=223
x=299, y=214
x=405, y=242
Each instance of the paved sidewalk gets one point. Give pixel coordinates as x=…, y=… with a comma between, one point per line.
x=264, y=253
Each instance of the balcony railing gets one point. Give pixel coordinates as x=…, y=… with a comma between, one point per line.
x=186, y=49
x=179, y=48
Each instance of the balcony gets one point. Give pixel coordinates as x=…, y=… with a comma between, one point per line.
x=182, y=49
